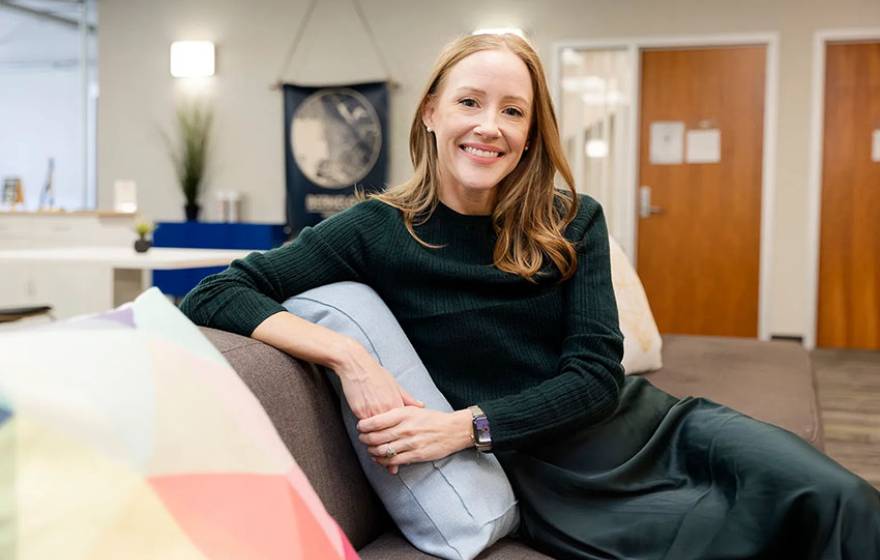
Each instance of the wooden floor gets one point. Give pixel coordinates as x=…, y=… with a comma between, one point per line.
x=849, y=397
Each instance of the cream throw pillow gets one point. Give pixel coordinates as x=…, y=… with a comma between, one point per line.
x=641, y=339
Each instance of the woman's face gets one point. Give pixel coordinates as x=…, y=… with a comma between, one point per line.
x=480, y=117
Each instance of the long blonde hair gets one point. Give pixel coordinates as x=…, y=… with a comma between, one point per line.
x=530, y=215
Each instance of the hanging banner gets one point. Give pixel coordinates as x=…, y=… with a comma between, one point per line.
x=336, y=142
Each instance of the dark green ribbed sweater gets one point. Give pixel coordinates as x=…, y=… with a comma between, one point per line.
x=539, y=359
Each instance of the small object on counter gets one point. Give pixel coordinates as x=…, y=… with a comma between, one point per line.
x=143, y=228
x=13, y=194
x=229, y=206
x=47, y=197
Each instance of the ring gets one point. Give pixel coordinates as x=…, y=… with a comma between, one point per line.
x=389, y=451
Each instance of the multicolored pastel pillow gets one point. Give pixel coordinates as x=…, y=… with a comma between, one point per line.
x=127, y=435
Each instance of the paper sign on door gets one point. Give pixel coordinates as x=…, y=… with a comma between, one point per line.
x=875, y=146
x=703, y=146
x=667, y=142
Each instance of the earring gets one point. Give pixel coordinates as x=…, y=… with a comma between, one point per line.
x=429, y=129
x=527, y=147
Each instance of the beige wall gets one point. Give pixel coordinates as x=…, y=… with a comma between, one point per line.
x=137, y=94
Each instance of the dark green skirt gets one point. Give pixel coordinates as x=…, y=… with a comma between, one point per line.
x=688, y=478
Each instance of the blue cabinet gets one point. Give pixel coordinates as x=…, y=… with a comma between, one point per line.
x=207, y=235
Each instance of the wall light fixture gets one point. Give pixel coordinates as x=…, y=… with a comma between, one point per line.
x=192, y=59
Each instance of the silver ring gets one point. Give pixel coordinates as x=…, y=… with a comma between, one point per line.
x=389, y=451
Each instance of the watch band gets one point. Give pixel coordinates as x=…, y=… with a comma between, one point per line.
x=482, y=435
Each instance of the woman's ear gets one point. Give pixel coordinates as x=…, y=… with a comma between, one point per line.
x=428, y=113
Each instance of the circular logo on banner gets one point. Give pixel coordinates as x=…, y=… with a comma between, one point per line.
x=335, y=137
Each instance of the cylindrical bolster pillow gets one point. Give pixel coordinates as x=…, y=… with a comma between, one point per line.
x=451, y=508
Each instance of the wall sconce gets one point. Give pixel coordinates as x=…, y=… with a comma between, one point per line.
x=192, y=59
x=500, y=31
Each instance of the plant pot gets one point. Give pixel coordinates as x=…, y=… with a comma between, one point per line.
x=192, y=212
x=142, y=245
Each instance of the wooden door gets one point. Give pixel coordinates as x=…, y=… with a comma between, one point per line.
x=849, y=258
x=699, y=256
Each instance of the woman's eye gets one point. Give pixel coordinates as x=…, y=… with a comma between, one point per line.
x=467, y=102
x=514, y=111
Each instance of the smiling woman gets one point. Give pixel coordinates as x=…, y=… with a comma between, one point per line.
x=502, y=284
x=486, y=103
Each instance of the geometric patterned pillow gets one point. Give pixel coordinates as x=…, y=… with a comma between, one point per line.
x=128, y=435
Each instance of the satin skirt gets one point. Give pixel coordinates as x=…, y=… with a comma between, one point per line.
x=679, y=479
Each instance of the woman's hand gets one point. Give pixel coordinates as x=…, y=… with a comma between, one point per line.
x=368, y=387
x=413, y=435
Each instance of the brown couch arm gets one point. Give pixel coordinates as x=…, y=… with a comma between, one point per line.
x=304, y=409
x=770, y=381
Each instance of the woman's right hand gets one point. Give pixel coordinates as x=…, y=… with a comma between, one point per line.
x=369, y=388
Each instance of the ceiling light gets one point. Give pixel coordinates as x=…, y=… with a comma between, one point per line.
x=597, y=148
x=500, y=31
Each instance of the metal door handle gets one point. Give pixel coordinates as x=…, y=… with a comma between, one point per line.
x=645, y=208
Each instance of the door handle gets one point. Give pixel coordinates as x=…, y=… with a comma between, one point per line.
x=645, y=208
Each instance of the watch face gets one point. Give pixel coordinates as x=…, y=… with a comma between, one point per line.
x=481, y=427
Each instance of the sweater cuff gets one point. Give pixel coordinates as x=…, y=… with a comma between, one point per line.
x=517, y=422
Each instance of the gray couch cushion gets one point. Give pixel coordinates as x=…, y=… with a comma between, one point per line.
x=304, y=410
x=771, y=381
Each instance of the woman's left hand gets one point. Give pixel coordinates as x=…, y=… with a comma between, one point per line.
x=414, y=435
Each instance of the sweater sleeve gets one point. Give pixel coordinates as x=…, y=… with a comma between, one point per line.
x=252, y=289
x=589, y=375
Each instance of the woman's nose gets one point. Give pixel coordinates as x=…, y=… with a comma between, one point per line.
x=487, y=127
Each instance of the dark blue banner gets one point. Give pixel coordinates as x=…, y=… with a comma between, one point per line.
x=336, y=140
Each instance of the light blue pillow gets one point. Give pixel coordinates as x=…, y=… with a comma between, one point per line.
x=452, y=508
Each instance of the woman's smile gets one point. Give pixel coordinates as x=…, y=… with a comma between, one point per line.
x=481, y=154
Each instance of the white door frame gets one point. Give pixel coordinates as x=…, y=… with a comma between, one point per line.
x=814, y=189
x=626, y=226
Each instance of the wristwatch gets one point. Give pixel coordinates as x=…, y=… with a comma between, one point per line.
x=482, y=435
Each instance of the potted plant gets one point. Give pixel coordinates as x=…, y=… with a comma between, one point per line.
x=143, y=228
x=190, y=155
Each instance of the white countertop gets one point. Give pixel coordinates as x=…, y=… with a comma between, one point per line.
x=157, y=258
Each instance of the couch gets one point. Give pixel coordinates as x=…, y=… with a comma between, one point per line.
x=770, y=381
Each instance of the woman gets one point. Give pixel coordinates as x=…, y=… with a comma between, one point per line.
x=502, y=284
